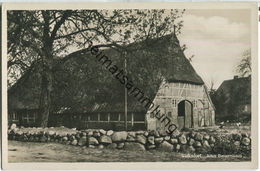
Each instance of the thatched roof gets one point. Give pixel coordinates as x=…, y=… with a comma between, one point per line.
x=25, y=93
x=83, y=85
x=241, y=87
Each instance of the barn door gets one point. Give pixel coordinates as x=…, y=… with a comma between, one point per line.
x=185, y=114
x=188, y=115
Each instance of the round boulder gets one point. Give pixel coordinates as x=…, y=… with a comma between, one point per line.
x=174, y=141
x=192, y=134
x=197, y=144
x=104, y=139
x=130, y=138
x=51, y=133
x=246, y=141
x=212, y=140
x=163, y=133
x=110, y=132
x=102, y=132
x=74, y=142
x=177, y=147
x=206, y=137
x=91, y=146
x=82, y=141
x=150, y=147
x=187, y=149
x=150, y=140
x=92, y=141
x=90, y=133
x=134, y=146
x=237, y=143
x=154, y=133
x=167, y=138
x=96, y=134
x=165, y=146
x=13, y=126
x=158, y=140
x=112, y=146
x=191, y=141
x=119, y=136
x=198, y=137
x=205, y=144
x=131, y=134
x=100, y=146
x=182, y=139
x=237, y=137
x=141, y=139
x=175, y=133
x=140, y=133
x=120, y=145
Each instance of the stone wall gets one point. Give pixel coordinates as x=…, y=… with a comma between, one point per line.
x=184, y=142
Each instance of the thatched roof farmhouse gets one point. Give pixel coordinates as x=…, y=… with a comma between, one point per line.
x=85, y=94
x=233, y=99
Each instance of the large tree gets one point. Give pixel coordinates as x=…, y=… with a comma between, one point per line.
x=41, y=36
x=244, y=67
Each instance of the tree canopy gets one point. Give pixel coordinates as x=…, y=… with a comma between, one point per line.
x=244, y=67
x=69, y=31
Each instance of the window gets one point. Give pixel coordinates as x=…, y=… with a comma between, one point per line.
x=93, y=117
x=103, y=117
x=169, y=114
x=174, y=103
x=28, y=117
x=122, y=116
x=194, y=103
x=13, y=116
x=84, y=117
x=114, y=116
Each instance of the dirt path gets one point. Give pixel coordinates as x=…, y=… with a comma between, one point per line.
x=52, y=152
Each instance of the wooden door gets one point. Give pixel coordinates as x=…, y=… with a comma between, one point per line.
x=188, y=115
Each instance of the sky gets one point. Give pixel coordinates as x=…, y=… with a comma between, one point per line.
x=217, y=38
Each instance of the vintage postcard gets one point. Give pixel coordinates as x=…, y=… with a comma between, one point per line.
x=129, y=85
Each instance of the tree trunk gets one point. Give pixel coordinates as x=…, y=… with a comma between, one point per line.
x=45, y=99
x=46, y=87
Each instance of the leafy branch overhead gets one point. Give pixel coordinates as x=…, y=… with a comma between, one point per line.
x=71, y=30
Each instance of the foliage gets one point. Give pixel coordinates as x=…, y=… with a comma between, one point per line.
x=71, y=30
x=244, y=68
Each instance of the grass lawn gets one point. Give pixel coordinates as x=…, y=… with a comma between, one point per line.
x=53, y=152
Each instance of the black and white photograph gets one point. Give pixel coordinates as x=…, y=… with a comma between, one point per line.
x=170, y=84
